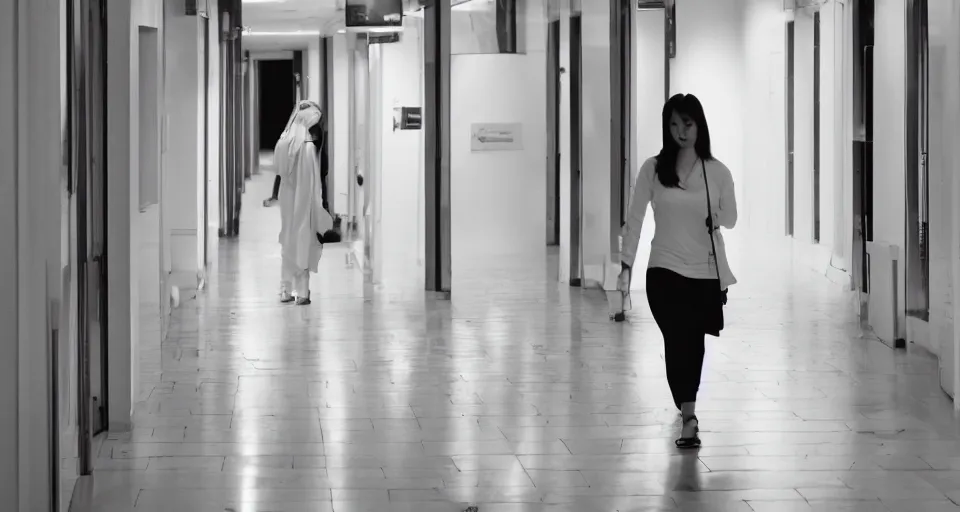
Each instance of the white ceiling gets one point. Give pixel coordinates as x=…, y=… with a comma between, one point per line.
x=288, y=16
x=324, y=16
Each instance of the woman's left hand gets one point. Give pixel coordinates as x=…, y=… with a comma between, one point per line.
x=713, y=224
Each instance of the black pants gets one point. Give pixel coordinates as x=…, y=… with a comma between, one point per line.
x=678, y=304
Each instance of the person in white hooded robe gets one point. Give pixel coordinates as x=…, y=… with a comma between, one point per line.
x=303, y=210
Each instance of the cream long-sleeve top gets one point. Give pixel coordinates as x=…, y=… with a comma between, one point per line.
x=681, y=242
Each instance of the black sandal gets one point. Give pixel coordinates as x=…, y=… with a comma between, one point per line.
x=690, y=442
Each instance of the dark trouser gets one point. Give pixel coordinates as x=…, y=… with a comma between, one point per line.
x=678, y=304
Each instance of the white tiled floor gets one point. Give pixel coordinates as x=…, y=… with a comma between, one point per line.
x=519, y=395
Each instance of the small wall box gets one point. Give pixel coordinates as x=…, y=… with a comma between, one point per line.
x=409, y=118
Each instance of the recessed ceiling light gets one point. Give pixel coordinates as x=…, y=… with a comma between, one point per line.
x=291, y=33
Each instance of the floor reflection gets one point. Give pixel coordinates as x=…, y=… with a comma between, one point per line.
x=519, y=395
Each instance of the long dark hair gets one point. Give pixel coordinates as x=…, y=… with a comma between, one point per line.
x=686, y=106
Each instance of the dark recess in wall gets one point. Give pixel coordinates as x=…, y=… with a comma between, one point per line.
x=277, y=99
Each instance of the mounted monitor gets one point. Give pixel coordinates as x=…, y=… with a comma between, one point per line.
x=374, y=15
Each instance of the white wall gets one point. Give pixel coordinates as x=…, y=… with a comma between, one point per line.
x=649, y=82
x=944, y=203
x=950, y=341
x=733, y=58
x=499, y=197
x=213, y=136
x=184, y=149
x=709, y=64
x=313, y=70
x=649, y=91
x=889, y=135
x=600, y=264
x=340, y=107
x=401, y=205
x=763, y=182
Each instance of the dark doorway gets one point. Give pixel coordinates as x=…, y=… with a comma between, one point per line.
x=576, y=148
x=278, y=96
x=623, y=105
x=553, y=133
x=791, y=87
x=87, y=66
x=917, y=162
x=863, y=40
x=816, y=127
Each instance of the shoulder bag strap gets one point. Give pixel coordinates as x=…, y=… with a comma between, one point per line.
x=711, y=227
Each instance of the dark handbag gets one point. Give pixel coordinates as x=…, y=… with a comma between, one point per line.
x=716, y=299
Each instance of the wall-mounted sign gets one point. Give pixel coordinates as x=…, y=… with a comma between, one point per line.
x=407, y=118
x=496, y=137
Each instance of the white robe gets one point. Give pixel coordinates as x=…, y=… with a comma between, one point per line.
x=301, y=193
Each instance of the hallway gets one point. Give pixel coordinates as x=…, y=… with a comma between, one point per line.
x=519, y=395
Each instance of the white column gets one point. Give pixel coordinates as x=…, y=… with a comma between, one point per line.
x=313, y=70
x=889, y=107
x=339, y=129
x=184, y=149
x=373, y=178
x=951, y=107
x=601, y=265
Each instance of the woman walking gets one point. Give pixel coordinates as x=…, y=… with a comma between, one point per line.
x=692, y=195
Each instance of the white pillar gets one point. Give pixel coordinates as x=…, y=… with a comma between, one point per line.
x=339, y=128
x=314, y=76
x=952, y=114
x=601, y=264
x=184, y=148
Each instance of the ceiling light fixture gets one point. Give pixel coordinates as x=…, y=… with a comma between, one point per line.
x=294, y=33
